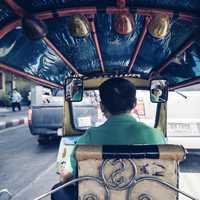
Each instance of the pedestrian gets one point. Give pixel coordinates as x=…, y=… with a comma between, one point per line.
x=16, y=100
x=29, y=98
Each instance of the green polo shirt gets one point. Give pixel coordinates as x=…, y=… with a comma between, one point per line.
x=120, y=130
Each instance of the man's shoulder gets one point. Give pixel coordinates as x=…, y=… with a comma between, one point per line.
x=145, y=127
x=140, y=126
x=152, y=135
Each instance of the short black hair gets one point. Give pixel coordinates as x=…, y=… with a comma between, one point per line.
x=118, y=95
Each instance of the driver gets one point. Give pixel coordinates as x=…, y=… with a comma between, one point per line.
x=118, y=98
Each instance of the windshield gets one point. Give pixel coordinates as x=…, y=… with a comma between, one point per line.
x=87, y=113
x=183, y=112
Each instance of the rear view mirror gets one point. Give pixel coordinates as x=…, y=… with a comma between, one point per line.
x=158, y=91
x=73, y=89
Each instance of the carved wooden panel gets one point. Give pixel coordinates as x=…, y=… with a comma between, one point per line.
x=121, y=179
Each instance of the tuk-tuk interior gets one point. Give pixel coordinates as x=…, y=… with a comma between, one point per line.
x=151, y=113
x=50, y=42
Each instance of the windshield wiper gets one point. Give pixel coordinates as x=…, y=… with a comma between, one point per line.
x=180, y=94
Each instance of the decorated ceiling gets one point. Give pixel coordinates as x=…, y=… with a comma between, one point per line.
x=45, y=40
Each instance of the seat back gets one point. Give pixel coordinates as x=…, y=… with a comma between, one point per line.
x=139, y=172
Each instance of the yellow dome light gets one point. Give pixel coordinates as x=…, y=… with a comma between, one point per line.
x=79, y=26
x=159, y=26
x=123, y=24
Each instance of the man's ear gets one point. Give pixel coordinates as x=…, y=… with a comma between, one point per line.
x=135, y=103
x=102, y=107
x=105, y=111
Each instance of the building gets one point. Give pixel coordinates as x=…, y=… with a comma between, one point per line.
x=1, y=81
x=8, y=82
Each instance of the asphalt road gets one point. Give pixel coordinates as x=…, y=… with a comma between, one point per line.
x=24, y=165
x=28, y=170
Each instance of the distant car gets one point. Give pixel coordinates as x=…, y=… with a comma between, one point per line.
x=45, y=116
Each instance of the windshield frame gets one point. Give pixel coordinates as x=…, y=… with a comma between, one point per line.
x=80, y=131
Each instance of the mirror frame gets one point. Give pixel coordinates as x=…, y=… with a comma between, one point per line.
x=65, y=84
x=166, y=91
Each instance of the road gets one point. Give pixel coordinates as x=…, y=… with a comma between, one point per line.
x=28, y=169
x=24, y=165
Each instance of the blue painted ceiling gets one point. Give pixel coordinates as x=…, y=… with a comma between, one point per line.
x=36, y=58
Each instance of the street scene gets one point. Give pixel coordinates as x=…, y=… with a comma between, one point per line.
x=28, y=168
x=103, y=95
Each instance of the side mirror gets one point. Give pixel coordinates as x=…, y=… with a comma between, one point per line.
x=159, y=91
x=5, y=194
x=73, y=89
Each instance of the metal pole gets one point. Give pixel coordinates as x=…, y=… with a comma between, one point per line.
x=139, y=44
x=96, y=42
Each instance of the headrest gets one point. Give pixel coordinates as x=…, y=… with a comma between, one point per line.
x=164, y=152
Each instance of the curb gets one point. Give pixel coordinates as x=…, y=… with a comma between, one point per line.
x=12, y=123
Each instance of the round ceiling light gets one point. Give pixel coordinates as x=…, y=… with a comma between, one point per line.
x=123, y=24
x=79, y=26
x=159, y=26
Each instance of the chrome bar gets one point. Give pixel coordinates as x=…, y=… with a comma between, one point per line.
x=165, y=184
x=71, y=182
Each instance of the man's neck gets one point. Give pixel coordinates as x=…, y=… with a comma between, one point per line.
x=109, y=115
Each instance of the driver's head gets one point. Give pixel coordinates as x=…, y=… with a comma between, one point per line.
x=118, y=95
